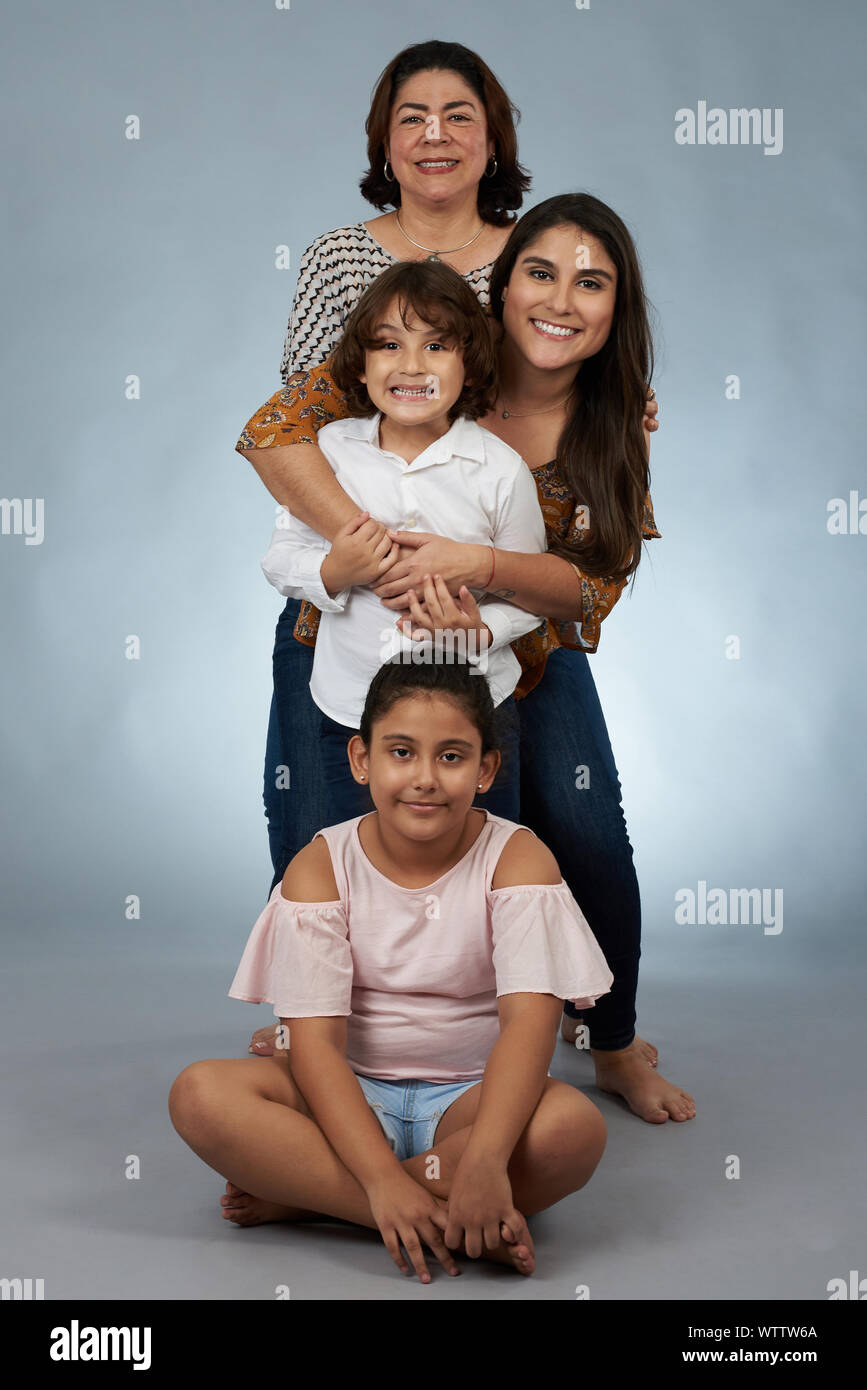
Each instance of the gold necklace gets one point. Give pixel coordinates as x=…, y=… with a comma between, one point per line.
x=434, y=256
x=510, y=414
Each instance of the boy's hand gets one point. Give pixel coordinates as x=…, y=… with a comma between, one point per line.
x=406, y=1215
x=480, y=1199
x=442, y=613
x=360, y=553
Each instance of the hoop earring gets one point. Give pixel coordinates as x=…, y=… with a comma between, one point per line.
x=387, y=175
x=494, y=170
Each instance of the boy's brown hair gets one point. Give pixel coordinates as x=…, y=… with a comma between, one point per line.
x=440, y=297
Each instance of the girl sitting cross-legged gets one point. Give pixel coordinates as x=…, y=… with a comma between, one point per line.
x=417, y=957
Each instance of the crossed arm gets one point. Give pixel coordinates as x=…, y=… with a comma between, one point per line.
x=299, y=477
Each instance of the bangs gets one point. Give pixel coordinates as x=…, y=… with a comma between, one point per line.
x=434, y=313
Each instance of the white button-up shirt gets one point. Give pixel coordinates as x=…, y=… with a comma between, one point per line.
x=468, y=486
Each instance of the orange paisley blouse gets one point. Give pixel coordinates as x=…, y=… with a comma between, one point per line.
x=310, y=399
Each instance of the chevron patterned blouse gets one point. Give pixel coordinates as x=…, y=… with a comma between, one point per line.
x=333, y=275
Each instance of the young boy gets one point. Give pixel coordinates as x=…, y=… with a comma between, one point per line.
x=417, y=366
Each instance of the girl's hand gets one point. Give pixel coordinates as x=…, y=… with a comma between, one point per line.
x=480, y=1200
x=424, y=553
x=361, y=552
x=651, y=408
x=442, y=614
x=406, y=1215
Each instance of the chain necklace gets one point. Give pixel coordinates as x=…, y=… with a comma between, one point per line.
x=510, y=414
x=434, y=256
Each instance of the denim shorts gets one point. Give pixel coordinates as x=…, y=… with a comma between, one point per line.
x=409, y=1111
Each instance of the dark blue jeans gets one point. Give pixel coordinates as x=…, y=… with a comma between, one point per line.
x=561, y=729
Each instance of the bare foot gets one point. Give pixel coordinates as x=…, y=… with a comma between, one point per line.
x=569, y=1027
x=522, y=1257
x=246, y=1210
x=627, y=1073
x=569, y=1032
x=263, y=1041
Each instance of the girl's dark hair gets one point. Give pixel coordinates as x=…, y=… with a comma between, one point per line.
x=396, y=680
x=441, y=298
x=602, y=451
x=499, y=195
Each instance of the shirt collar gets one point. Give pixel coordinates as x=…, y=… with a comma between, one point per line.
x=464, y=438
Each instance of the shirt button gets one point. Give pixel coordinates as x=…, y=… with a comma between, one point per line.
x=410, y=521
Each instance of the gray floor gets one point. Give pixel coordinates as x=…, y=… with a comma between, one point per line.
x=776, y=1068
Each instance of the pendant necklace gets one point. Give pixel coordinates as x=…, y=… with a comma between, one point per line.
x=434, y=254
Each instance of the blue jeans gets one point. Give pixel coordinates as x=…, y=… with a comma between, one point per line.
x=563, y=730
x=561, y=727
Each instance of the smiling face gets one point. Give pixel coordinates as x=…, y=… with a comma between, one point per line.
x=424, y=765
x=438, y=143
x=559, y=303
x=415, y=373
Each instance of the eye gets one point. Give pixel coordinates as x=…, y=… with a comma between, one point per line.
x=440, y=347
x=407, y=119
x=594, y=284
x=537, y=270
x=400, y=750
x=453, y=755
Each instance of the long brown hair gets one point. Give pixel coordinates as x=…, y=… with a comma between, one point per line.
x=602, y=451
x=498, y=195
x=441, y=298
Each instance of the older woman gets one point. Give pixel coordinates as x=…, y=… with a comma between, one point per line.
x=575, y=358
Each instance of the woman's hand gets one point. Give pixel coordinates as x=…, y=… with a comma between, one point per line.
x=441, y=613
x=480, y=1200
x=423, y=553
x=406, y=1215
x=651, y=408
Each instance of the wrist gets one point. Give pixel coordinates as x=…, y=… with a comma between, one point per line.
x=330, y=581
x=482, y=1153
x=484, y=563
x=382, y=1176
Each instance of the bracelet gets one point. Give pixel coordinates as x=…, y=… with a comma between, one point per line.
x=493, y=566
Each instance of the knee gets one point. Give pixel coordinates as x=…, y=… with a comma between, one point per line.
x=191, y=1099
x=575, y=1134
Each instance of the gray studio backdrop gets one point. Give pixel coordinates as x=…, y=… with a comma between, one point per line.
x=742, y=762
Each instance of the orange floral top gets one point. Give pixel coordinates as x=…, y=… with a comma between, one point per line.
x=310, y=399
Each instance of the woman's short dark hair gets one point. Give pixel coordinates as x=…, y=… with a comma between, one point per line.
x=499, y=195
x=396, y=680
x=441, y=298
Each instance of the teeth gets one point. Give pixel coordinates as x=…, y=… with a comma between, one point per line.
x=409, y=390
x=436, y=163
x=554, y=329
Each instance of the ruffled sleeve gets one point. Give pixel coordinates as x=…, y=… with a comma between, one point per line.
x=297, y=958
x=544, y=945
